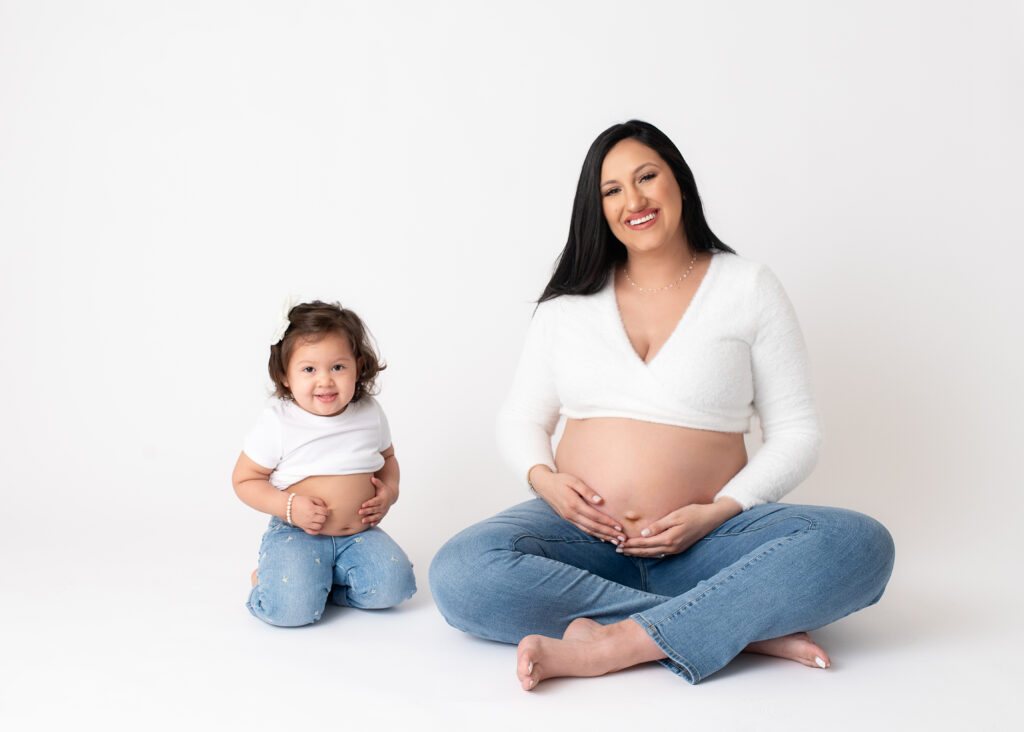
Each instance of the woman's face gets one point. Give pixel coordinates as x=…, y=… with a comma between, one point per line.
x=641, y=199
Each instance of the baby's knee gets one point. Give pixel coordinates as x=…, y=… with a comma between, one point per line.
x=287, y=607
x=390, y=582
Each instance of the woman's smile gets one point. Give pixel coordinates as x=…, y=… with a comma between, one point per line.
x=642, y=220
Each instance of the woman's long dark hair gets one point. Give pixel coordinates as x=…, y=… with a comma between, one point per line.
x=586, y=262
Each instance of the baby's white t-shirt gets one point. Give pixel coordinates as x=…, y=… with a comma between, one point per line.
x=297, y=444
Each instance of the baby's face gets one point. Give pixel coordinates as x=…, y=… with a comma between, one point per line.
x=322, y=375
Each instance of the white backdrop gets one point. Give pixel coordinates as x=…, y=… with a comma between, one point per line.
x=169, y=172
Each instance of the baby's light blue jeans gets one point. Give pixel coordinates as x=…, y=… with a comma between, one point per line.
x=773, y=570
x=298, y=572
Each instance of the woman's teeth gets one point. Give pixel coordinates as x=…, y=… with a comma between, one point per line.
x=643, y=219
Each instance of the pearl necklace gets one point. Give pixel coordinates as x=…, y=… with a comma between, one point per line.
x=682, y=277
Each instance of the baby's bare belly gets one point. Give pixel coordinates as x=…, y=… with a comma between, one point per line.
x=344, y=495
x=643, y=470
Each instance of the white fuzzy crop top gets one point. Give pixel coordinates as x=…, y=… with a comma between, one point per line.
x=737, y=350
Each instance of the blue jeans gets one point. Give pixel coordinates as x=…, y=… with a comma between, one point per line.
x=297, y=572
x=773, y=570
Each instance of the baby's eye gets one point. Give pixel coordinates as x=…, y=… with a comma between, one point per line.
x=610, y=191
x=337, y=367
x=308, y=369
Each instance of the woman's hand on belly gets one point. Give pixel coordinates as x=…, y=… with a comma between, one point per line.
x=681, y=529
x=574, y=501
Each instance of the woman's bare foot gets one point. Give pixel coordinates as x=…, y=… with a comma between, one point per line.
x=254, y=577
x=587, y=648
x=582, y=629
x=796, y=647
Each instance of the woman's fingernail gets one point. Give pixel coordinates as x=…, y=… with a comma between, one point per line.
x=622, y=538
x=618, y=528
x=532, y=682
x=619, y=550
x=614, y=543
x=529, y=669
x=596, y=499
x=820, y=661
x=645, y=532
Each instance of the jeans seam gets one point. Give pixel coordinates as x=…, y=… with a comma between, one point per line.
x=809, y=521
x=512, y=544
x=641, y=567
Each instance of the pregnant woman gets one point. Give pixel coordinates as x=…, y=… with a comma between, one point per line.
x=653, y=536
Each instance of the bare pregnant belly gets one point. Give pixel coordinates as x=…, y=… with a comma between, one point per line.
x=344, y=495
x=643, y=470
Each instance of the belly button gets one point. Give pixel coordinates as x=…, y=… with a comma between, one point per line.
x=631, y=516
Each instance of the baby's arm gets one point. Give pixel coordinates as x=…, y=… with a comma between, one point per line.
x=385, y=481
x=252, y=485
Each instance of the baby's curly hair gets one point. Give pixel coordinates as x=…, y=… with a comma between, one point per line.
x=311, y=321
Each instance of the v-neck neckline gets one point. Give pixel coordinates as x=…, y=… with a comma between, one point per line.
x=712, y=267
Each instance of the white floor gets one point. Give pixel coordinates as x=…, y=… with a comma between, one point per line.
x=153, y=634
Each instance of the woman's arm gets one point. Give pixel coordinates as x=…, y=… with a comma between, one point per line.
x=252, y=486
x=784, y=400
x=526, y=422
x=385, y=482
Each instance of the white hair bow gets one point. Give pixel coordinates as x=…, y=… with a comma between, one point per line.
x=282, y=319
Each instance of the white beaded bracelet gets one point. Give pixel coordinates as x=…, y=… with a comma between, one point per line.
x=288, y=512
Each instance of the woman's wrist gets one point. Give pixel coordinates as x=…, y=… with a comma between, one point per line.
x=725, y=508
x=533, y=475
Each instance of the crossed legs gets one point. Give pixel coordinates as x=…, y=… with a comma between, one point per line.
x=576, y=607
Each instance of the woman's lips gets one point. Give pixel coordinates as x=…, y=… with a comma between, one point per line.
x=643, y=219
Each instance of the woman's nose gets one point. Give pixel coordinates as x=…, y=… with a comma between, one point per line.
x=635, y=199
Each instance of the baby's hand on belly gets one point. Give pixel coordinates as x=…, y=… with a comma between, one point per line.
x=341, y=496
x=373, y=510
x=309, y=513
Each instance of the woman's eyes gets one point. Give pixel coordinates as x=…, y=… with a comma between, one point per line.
x=642, y=179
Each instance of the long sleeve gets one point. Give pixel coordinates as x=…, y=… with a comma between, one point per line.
x=527, y=419
x=783, y=400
